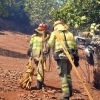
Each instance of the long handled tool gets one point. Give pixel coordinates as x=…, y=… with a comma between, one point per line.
x=50, y=60
x=41, y=62
x=69, y=57
x=26, y=80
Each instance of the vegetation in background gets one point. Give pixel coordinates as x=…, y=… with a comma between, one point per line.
x=41, y=10
x=3, y=5
x=16, y=12
x=77, y=13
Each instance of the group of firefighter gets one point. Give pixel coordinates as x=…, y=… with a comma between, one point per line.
x=40, y=46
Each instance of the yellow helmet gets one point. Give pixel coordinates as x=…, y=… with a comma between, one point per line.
x=59, y=25
x=58, y=22
x=92, y=25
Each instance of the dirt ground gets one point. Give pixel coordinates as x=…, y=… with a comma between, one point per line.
x=13, y=60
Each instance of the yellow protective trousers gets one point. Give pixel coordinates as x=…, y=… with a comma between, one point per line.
x=64, y=68
x=40, y=76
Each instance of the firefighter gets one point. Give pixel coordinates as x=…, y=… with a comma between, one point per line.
x=92, y=29
x=64, y=66
x=97, y=29
x=38, y=39
x=91, y=33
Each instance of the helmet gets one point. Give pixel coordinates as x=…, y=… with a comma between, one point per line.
x=92, y=25
x=59, y=25
x=42, y=26
x=58, y=22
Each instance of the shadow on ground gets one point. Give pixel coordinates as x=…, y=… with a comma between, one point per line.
x=1, y=33
x=9, y=53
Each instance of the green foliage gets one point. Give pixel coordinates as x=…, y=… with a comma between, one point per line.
x=3, y=4
x=41, y=10
x=79, y=13
x=17, y=13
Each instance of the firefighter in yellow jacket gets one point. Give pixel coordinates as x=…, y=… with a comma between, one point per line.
x=39, y=37
x=94, y=29
x=64, y=66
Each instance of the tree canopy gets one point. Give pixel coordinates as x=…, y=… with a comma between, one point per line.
x=77, y=13
x=17, y=13
x=41, y=10
x=3, y=5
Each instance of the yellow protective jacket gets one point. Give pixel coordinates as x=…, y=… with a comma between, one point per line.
x=69, y=39
x=92, y=28
x=97, y=27
x=36, y=41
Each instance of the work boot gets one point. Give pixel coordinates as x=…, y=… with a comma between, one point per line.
x=39, y=85
x=64, y=98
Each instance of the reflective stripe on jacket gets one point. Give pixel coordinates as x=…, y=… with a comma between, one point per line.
x=36, y=45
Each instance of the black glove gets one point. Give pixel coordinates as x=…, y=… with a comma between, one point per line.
x=29, y=52
x=76, y=60
x=76, y=64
